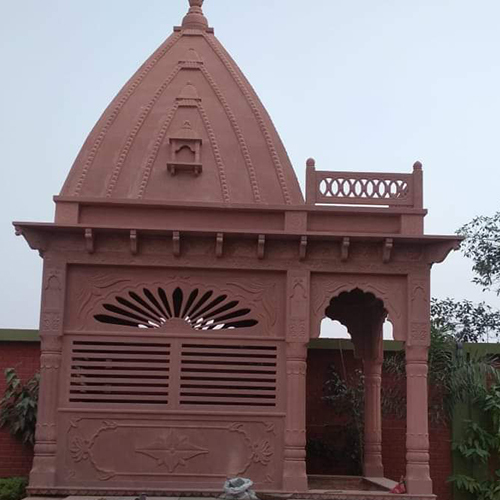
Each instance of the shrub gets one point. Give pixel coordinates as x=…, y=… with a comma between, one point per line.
x=18, y=407
x=13, y=488
x=481, y=445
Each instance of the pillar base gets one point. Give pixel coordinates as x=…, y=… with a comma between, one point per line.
x=295, y=476
x=43, y=473
x=419, y=486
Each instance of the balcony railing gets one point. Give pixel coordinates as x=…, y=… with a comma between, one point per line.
x=363, y=188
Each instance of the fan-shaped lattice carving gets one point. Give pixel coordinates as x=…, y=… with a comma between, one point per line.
x=202, y=310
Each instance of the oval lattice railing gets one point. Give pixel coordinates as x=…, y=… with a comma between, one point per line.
x=202, y=310
x=364, y=188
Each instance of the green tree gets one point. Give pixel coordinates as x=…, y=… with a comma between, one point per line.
x=465, y=320
x=482, y=245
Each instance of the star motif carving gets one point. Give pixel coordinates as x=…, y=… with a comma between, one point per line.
x=172, y=450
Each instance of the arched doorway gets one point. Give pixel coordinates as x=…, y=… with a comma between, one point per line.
x=334, y=447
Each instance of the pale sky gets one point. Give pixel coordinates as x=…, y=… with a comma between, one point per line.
x=361, y=85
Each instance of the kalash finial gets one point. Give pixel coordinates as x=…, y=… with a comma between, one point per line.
x=195, y=19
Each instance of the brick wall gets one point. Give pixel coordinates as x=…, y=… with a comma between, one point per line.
x=16, y=458
x=326, y=432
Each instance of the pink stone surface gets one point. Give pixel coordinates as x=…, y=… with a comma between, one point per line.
x=189, y=79
x=184, y=276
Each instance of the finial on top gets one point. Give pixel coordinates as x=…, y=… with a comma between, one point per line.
x=311, y=162
x=417, y=165
x=195, y=19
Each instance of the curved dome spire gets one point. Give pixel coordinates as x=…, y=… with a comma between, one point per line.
x=187, y=127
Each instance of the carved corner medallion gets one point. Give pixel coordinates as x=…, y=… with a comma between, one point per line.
x=297, y=330
x=51, y=322
x=419, y=333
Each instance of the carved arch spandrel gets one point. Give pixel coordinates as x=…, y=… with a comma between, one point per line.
x=260, y=294
x=391, y=290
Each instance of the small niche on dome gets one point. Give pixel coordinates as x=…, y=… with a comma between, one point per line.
x=186, y=155
x=185, y=151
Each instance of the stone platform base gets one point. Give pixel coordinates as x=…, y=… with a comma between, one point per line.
x=320, y=488
x=310, y=495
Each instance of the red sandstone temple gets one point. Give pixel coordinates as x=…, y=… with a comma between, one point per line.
x=184, y=276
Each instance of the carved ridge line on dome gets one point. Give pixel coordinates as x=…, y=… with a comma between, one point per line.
x=155, y=59
x=156, y=148
x=135, y=131
x=217, y=155
x=239, y=135
x=274, y=155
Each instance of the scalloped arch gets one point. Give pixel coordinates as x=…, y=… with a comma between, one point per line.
x=332, y=290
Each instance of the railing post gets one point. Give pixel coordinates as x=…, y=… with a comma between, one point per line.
x=418, y=193
x=311, y=181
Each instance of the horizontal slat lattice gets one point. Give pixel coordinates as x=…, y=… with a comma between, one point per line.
x=222, y=375
x=120, y=372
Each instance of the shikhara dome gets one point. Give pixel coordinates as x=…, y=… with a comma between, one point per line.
x=187, y=127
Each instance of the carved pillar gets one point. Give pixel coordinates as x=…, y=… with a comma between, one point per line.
x=363, y=314
x=372, y=462
x=417, y=428
x=43, y=473
x=294, y=473
x=368, y=340
x=298, y=299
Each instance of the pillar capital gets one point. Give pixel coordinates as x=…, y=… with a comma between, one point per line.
x=416, y=354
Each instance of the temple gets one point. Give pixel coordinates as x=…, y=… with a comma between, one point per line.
x=184, y=276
